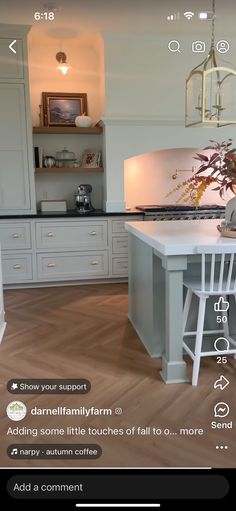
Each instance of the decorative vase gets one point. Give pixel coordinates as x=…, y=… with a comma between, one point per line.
x=83, y=121
x=230, y=210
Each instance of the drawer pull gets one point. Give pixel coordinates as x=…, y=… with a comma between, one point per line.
x=93, y=233
x=15, y=235
x=50, y=235
x=51, y=265
x=17, y=266
x=93, y=263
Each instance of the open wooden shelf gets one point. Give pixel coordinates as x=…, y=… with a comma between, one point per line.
x=67, y=130
x=59, y=170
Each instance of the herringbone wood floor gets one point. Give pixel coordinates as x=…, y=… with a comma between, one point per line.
x=83, y=332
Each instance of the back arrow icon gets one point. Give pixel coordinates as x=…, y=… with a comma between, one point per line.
x=11, y=46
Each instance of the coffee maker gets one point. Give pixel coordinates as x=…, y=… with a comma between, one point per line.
x=83, y=199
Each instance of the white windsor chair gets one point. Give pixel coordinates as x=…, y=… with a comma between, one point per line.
x=218, y=278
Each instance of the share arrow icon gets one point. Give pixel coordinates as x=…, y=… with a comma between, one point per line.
x=11, y=46
x=221, y=383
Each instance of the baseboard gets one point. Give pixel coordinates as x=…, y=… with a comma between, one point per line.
x=35, y=285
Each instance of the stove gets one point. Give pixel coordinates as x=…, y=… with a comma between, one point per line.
x=181, y=211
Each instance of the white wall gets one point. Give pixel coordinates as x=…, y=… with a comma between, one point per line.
x=144, y=79
x=149, y=178
x=128, y=138
x=84, y=54
x=145, y=105
x=64, y=186
x=141, y=93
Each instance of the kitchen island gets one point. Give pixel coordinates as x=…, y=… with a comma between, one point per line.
x=159, y=253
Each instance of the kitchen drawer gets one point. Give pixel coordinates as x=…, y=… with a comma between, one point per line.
x=72, y=235
x=120, y=266
x=15, y=236
x=16, y=268
x=120, y=245
x=118, y=226
x=71, y=265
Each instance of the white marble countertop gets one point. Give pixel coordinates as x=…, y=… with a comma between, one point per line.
x=180, y=237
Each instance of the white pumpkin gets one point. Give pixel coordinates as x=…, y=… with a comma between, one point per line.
x=83, y=121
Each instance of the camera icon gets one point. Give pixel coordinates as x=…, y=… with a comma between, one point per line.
x=198, y=47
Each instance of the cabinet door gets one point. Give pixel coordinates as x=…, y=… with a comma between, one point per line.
x=14, y=166
x=11, y=64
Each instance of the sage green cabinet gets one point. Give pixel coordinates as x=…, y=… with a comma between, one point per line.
x=17, y=193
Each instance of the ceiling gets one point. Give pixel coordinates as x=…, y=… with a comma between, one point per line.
x=135, y=16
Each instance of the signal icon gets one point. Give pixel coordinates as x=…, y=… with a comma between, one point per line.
x=173, y=17
x=188, y=15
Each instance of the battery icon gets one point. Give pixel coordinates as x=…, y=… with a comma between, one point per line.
x=206, y=15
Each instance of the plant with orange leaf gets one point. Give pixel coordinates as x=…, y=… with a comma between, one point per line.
x=219, y=168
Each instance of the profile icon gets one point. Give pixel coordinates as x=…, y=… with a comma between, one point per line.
x=223, y=46
x=16, y=410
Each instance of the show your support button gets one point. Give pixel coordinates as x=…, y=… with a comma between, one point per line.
x=54, y=451
x=126, y=487
x=48, y=386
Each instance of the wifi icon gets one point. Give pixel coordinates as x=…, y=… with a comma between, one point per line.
x=188, y=15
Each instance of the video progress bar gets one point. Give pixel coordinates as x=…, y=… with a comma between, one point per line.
x=118, y=505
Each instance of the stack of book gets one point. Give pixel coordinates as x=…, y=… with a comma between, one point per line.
x=38, y=157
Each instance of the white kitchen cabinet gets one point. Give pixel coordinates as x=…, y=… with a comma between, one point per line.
x=79, y=235
x=2, y=315
x=43, y=250
x=119, y=245
x=15, y=235
x=72, y=265
x=17, y=194
x=17, y=268
x=88, y=238
x=120, y=266
x=17, y=242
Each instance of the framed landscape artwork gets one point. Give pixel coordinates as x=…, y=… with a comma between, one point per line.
x=61, y=109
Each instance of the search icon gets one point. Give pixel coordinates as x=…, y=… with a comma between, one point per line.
x=174, y=46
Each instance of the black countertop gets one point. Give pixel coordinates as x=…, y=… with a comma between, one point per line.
x=71, y=214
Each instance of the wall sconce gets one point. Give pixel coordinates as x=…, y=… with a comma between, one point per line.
x=175, y=173
x=63, y=66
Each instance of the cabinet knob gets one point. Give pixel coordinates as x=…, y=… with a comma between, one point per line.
x=50, y=234
x=93, y=233
x=15, y=235
x=17, y=266
x=93, y=263
x=51, y=265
